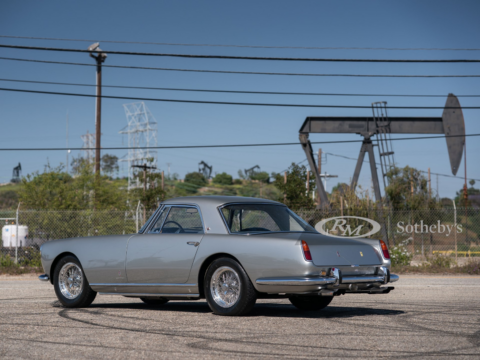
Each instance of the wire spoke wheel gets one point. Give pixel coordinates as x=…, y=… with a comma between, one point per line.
x=225, y=286
x=70, y=280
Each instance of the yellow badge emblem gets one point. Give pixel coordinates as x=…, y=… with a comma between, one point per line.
x=361, y=254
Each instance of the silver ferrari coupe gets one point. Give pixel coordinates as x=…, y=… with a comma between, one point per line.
x=229, y=250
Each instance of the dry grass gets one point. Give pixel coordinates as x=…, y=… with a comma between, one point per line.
x=19, y=270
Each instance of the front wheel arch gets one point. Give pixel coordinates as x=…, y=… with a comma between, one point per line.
x=56, y=260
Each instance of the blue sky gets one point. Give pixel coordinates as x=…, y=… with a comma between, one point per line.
x=32, y=120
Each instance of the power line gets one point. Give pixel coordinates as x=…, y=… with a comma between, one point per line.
x=224, y=91
x=426, y=172
x=231, y=57
x=233, y=103
x=242, y=46
x=239, y=72
x=230, y=145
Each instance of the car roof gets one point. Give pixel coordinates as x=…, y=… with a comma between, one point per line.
x=213, y=200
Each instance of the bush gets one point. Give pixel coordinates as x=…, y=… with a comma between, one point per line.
x=195, y=180
x=472, y=267
x=400, y=255
x=440, y=261
x=6, y=260
x=261, y=176
x=223, y=179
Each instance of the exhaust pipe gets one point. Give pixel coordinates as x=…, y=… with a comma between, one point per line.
x=326, y=293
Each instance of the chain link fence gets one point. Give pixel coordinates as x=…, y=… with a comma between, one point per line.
x=424, y=232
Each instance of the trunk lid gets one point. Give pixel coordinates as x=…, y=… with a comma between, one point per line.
x=328, y=251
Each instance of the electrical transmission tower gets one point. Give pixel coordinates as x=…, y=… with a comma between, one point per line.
x=141, y=130
x=89, y=146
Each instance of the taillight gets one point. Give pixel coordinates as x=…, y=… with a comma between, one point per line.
x=386, y=254
x=306, y=251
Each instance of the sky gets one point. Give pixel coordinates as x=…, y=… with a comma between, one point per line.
x=38, y=120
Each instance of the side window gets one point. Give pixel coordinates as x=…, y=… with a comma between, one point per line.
x=155, y=229
x=183, y=220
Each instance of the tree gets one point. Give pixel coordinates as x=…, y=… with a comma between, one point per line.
x=295, y=188
x=408, y=189
x=460, y=197
x=153, y=195
x=78, y=163
x=54, y=189
x=223, y=179
x=109, y=164
x=194, y=181
x=261, y=176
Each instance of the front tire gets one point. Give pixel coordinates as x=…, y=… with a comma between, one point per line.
x=228, y=289
x=310, y=303
x=71, y=284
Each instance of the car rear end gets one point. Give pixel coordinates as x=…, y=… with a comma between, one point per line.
x=335, y=267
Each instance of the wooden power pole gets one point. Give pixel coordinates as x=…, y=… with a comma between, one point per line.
x=319, y=171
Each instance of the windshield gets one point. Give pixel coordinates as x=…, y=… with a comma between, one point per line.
x=243, y=218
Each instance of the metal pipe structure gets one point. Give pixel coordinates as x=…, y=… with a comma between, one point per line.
x=451, y=124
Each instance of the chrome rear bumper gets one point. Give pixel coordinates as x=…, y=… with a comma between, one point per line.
x=335, y=279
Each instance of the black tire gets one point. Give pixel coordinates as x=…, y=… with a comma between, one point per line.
x=310, y=303
x=85, y=297
x=154, y=301
x=246, y=298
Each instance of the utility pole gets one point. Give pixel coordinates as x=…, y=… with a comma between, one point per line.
x=308, y=182
x=68, y=151
x=325, y=176
x=144, y=167
x=285, y=182
x=99, y=58
x=319, y=171
x=429, y=185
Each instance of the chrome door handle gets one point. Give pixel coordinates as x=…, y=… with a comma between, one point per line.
x=194, y=243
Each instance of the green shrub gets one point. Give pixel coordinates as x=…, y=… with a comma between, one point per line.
x=195, y=180
x=6, y=260
x=400, y=255
x=223, y=179
x=440, y=261
x=32, y=257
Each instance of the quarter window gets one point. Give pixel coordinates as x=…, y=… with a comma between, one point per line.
x=155, y=229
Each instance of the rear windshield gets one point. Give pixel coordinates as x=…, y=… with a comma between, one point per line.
x=262, y=218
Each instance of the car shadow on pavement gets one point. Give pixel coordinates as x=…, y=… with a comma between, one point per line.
x=261, y=309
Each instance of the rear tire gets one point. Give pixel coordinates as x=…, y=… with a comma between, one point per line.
x=154, y=301
x=71, y=284
x=228, y=289
x=310, y=303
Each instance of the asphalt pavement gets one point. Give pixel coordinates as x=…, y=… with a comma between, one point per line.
x=424, y=317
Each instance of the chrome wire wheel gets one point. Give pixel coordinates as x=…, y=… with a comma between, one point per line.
x=70, y=280
x=225, y=286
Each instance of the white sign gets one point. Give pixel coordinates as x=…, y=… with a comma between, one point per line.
x=346, y=231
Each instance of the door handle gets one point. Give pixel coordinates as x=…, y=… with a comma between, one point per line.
x=194, y=243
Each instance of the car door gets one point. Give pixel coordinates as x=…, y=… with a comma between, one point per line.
x=165, y=253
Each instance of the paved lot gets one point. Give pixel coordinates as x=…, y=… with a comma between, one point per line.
x=425, y=317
